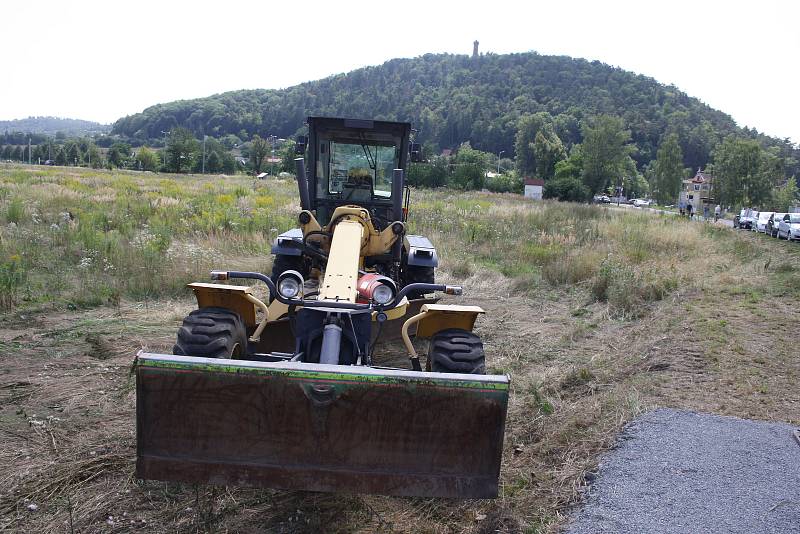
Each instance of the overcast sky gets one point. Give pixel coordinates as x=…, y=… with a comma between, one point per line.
x=103, y=60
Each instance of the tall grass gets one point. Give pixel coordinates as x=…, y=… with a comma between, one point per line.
x=86, y=237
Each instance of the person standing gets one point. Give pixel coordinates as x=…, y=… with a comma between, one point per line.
x=689, y=210
x=717, y=210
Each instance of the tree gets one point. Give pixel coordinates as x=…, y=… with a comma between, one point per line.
x=469, y=167
x=605, y=148
x=182, y=149
x=146, y=159
x=668, y=171
x=432, y=173
x=786, y=197
x=92, y=156
x=72, y=152
x=745, y=174
x=548, y=150
x=287, y=156
x=213, y=162
x=119, y=154
x=258, y=151
x=528, y=128
x=59, y=155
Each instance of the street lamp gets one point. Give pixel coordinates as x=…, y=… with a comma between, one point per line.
x=498, y=160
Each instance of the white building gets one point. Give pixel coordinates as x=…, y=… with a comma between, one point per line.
x=533, y=188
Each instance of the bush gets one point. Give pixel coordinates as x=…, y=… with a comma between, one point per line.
x=505, y=183
x=627, y=291
x=566, y=189
x=15, y=212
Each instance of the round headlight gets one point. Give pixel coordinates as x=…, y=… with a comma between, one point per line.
x=382, y=294
x=289, y=288
x=290, y=284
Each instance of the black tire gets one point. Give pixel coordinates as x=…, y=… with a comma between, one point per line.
x=212, y=333
x=413, y=274
x=456, y=351
x=284, y=262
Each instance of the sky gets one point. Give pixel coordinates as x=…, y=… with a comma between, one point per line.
x=103, y=60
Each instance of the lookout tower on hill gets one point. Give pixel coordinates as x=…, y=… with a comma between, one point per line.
x=475, y=50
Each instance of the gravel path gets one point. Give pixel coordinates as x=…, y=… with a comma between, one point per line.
x=677, y=471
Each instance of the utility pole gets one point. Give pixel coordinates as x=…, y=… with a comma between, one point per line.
x=29, y=151
x=498, y=160
x=204, y=153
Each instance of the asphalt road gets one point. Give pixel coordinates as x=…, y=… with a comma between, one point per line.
x=684, y=472
x=721, y=222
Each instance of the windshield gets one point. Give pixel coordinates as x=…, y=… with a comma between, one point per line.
x=764, y=215
x=794, y=218
x=361, y=171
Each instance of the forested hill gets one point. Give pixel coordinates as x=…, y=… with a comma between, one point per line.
x=453, y=98
x=53, y=125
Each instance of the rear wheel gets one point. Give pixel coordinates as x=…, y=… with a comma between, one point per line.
x=212, y=333
x=456, y=351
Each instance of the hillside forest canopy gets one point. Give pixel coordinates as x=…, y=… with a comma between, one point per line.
x=484, y=122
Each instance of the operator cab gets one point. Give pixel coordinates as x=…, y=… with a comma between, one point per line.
x=352, y=162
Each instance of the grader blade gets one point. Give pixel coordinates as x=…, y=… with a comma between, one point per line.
x=303, y=426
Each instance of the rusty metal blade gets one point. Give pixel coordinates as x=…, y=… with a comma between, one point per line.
x=318, y=427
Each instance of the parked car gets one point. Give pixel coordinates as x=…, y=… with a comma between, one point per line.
x=602, y=199
x=746, y=222
x=753, y=220
x=761, y=223
x=789, y=227
x=772, y=224
x=746, y=218
x=737, y=219
x=640, y=203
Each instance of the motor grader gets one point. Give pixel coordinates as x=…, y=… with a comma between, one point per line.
x=288, y=391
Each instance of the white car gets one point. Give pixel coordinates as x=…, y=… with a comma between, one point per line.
x=761, y=223
x=753, y=219
x=789, y=227
x=640, y=203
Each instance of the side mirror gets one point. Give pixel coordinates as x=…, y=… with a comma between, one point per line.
x=300, y=145
x=416, y=153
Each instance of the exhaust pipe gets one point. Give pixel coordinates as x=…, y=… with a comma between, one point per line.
x=397, y=195
x=397, y=212
x=302, y=183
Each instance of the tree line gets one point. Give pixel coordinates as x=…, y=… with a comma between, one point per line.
x=747, y=171
x=452, y=99
x=180, y=152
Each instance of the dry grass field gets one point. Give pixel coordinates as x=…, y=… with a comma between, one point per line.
x=597, y=315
